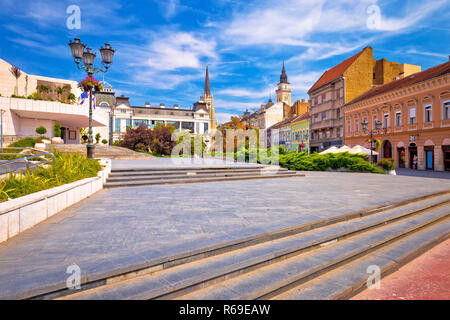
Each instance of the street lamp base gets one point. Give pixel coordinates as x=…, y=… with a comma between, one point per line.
x=90, y=150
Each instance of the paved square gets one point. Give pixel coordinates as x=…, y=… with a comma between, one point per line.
x=125, y=227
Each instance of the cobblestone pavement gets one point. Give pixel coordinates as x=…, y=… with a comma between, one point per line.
x=118, y=228
x=425, y=278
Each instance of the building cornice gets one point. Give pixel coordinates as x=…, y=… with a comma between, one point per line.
x=404, y=92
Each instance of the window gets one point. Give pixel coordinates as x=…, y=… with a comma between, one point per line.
x=412, y=116
x=205, y=126
x=446, y=111
x=117, y=125
x=386, y=120
x=324, y=97
x=428, y=111
x=338, y=93
x=123, y=111
x=338, y=113
x=375, y=121
x=316, y=101
x=398, y=119
x=324, y=115
x=356, y=125
x=349, y=126
x=128, y=123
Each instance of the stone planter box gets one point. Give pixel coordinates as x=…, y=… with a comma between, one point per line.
x=20, y=214
x=57, y=140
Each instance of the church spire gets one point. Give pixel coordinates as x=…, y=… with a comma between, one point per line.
x=207, y=91
x=283, y=77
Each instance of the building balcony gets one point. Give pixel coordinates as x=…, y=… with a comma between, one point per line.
x=68, y=115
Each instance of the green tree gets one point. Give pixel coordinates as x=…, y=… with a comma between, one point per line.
x=97, y=137
x=41, y=130
x=57, y=130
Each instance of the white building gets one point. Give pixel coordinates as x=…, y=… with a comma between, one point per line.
x=21, y=116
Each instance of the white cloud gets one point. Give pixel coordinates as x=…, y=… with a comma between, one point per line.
x=240, y=92
x=223, y=117
x=177, y=50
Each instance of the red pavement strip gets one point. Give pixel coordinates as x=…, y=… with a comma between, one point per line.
x=424, y=278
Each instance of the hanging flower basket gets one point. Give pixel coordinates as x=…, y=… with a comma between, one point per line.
x=88, y=83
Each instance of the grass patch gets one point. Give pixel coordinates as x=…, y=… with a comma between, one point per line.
x=68, y=167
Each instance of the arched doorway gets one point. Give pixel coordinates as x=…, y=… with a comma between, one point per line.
x=387, y=149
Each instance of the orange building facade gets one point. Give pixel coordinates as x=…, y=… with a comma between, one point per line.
x=415, y=119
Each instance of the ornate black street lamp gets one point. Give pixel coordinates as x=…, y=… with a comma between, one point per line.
x=80, y=52
x=365, y=126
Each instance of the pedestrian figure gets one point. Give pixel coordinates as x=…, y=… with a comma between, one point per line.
x=415, y=162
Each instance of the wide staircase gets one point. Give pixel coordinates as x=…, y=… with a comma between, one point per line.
x=186, y=174
x=326, y=259
x=102, y=151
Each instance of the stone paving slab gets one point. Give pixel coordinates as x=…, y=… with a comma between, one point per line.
x=117, y=229
x=177, y=162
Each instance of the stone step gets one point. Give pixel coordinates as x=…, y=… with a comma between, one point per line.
x=188, y=175
x=132, y=174
x=273, y=280
x=194, y=179
x=233, y=264
x=348, y=280
x=188, y=168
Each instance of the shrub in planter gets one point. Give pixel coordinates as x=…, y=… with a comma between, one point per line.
x=41, y=130
x=104, y=141
x=57, y=130
x=97, y=138
x=387, y=164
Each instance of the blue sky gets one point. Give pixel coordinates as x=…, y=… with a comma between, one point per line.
x=163, y=45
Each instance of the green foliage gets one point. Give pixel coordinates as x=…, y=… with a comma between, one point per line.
x=41, y=130
x=57, y=129
x=321, y=162
x=68, y=167
x=27, y=142
x=15, y=96
x=97, y=137
x=104, y=141
x=35, y=96
x=117, y=143
x=387, y=164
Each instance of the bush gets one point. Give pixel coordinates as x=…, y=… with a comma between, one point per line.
x=57, y=130
x=68, y=167
x=104, y=141
x=138, y=138
x=322, y=162
x=387, y=164
x=27, y=142
x=157, y=140
x=41, y=130
x=117, y=143
x=162, y=140
x=97, y=137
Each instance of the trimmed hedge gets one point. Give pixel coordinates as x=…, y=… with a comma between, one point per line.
x=294, y=160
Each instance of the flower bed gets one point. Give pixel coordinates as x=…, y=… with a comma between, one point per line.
x=68, y=167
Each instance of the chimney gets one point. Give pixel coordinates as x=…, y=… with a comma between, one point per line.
x=161, y=105
x=175, y=106
x=147, y=104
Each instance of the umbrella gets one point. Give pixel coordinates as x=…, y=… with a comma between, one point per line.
x=360, y=149
x=330, y=150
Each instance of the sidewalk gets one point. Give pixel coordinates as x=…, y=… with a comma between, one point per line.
x=425, y=278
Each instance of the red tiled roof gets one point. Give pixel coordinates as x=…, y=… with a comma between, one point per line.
x=336, y=71
x=430, y=73
x=290, y=120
